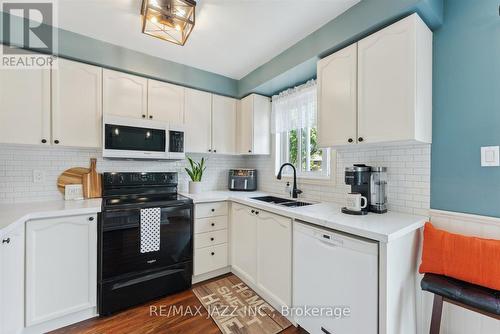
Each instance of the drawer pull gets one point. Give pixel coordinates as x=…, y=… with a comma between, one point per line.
x=213, y=224
x=6, y=241
x=213, y=253
x=212, y=239
x=213, y=210
x=253, y=211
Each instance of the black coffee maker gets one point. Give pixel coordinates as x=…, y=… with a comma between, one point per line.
x=358, y=177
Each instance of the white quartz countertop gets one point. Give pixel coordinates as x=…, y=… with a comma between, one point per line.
x=381, y=227
x=13, y=214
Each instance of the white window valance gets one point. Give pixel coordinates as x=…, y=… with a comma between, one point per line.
x=294, y=108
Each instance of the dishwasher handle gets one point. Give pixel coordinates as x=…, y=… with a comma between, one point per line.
x=330, y=240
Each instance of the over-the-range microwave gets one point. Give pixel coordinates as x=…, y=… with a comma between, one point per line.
x=130, y=138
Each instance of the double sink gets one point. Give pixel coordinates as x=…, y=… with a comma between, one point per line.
x=281, y=201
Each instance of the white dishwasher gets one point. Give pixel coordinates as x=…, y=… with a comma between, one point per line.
x=336, y=276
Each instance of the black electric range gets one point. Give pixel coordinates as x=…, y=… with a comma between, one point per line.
x=128, y=276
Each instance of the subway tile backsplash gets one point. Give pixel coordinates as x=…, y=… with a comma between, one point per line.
x=408, y=172
x=408, y=169
x=17, y=163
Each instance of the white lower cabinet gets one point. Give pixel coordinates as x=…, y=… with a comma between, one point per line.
x=12, y=281
x=274, y=256
x=261, y=252
x=210, y=238
x=61, y=267
x=244, y=242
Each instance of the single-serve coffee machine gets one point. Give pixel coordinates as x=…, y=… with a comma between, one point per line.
x=368, y=189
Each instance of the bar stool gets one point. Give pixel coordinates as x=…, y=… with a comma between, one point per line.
x=470, y=296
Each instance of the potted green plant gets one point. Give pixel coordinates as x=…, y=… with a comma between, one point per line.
x=195, y=173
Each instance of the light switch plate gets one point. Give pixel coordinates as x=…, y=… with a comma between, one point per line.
x=490, y=156
x=38, y=176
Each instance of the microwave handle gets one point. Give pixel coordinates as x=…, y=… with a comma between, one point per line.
x=232, y=183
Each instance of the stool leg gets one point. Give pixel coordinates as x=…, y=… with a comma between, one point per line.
x=437, y=310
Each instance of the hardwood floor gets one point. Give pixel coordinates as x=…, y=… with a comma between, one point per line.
x=141, y=319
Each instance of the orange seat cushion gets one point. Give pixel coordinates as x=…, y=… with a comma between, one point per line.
x=470, y=259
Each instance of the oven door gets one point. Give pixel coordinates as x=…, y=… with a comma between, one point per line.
x=134, y=138
x=120, y=242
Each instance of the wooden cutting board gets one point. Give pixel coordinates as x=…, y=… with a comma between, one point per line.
x=71, y=176
x=92, y=187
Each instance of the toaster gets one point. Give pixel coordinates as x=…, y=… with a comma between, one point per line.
x=243, y=179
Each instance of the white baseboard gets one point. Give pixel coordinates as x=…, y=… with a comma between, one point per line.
x=61, y=322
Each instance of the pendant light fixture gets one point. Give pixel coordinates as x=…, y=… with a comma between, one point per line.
x=170, y=20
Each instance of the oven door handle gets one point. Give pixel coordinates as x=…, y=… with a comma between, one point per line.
x=145, y=278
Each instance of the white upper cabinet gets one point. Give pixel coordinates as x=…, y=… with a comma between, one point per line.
x=61, y=267
x=25, y=106
x=337, y=112
x=12, y=281
x=76, y=104
x=223, y=125
x=165, y=102
x=254, y=125
x=198, y=121
x=124, y=94
x=379, y=89
x=395, y=83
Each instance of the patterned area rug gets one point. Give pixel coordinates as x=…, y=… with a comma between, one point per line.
x=237, y=309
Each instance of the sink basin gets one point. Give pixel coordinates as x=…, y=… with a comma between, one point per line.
x=295, y=204
x=281, y=201
x=272, y=199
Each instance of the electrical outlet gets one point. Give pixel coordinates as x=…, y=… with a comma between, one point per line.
x=38, y=176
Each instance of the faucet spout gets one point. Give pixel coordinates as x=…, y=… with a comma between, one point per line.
x=295, y=191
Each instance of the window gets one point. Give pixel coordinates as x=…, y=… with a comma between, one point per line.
x=300, y=147
x=294, y=124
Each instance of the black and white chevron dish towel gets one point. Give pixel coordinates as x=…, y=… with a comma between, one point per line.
x=150, y=230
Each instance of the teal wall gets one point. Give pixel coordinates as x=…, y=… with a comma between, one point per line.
x=466, y=113
x=293, y=66
x=89, y=50
x=298, y=63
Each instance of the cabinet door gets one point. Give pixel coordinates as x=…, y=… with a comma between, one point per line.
x=244, y=241
x=165, y=102
x=61, y=267
x=261, y=125
x=12, y=282
x=387, y=83
x=124, y=94
x=25, y=111
x=198, y=121
x=76, y=104
x=337, y=110
x=274, y=257
x=245, y=125
x=223, y=125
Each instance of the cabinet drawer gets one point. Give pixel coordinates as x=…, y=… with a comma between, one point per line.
x=210, y=239
x=210, y=258
x=213, y=209
x=210, y=224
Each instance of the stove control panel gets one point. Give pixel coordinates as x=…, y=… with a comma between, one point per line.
x=139, y=179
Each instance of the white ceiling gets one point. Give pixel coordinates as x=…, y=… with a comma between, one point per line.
x=231, y=37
